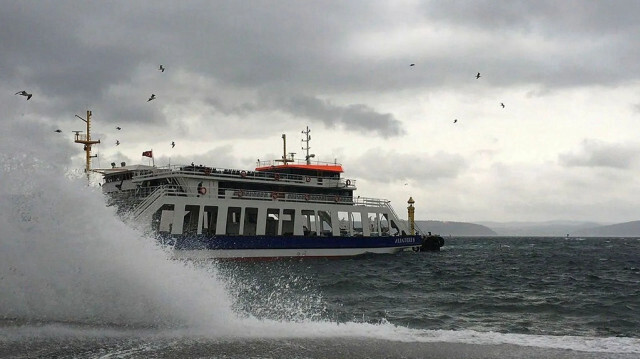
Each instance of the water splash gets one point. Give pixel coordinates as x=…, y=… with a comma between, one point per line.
x=65, y=256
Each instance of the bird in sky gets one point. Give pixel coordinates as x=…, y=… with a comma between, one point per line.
x=118, y=128
x=58, y=130
x=502, y=104
x=153, y=97
x=173, y=144
x=161, y=68
x=117, y=143
x=478, y=76
x=24, y=93
x=455, y=121
x=412, y=65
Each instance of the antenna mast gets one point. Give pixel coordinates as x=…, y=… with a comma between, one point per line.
x=307, y=147
x=87, y=141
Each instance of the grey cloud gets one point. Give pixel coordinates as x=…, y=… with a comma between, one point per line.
x=585, y=43
x=378, y=165
x=355, y=117
x=598, y=154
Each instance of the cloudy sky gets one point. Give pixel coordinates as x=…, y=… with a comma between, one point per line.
x=239, y=74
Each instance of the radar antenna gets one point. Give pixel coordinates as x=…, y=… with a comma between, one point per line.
x=306, y=147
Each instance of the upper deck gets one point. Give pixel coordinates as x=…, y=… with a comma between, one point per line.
x=316, y=168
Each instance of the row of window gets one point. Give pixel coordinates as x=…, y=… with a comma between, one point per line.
x=272, y=222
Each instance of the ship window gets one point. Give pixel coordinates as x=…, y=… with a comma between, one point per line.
x=288, y=217
x=326, y=228
x=356, y=223
x=273, y=218
x=163, y=219
x=233, y=221
x=250, y=221
x=190, y=223
x=395, y=230
x=343, y=223
x=384, y=224
x=374, y=224
x=309, y=222
x=210, y=220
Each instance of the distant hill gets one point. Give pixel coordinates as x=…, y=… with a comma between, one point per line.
x=460, y=229
x=541, y=229
x=627, y=229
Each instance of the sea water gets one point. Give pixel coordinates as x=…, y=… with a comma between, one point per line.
x=76, y=281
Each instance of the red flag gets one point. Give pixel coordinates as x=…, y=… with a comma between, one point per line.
x=148, y=154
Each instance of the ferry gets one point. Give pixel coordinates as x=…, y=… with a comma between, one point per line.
x=281, y=208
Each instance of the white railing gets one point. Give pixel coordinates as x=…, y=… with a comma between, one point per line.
x=248, y=175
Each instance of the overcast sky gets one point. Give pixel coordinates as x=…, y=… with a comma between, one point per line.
x=239, y=74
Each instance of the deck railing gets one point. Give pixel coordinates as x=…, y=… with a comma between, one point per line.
x=247, y=175
x=148, y=195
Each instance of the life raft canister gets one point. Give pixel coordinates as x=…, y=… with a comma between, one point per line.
x=276, y=177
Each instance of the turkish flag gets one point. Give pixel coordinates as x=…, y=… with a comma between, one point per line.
x=147, y=154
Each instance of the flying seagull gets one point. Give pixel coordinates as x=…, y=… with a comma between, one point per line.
x=455, y=121
x=478, y=76
x=117, y=143
x=153, y=97
x=118, y=128
x=173, y=144
x=161, y=68
x=502, y=104
x=412, y=65
x=24, y=93
x=58, y=130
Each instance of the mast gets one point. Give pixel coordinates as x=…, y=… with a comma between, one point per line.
x=307, y=147
x=284, y=159
x=87, y=142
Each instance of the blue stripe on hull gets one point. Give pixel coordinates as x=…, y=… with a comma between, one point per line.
x=292, y=242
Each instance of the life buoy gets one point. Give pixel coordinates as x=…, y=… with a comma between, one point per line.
x=274, y=195
x=240, y=193
x=307, y=197
x=336, y=198
x=276, y=177
x=348, y=183
x=202, y=190
x=307, y=178
x=207, y=171
x=243, y=174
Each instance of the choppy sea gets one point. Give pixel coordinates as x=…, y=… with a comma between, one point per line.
x=76, y=282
